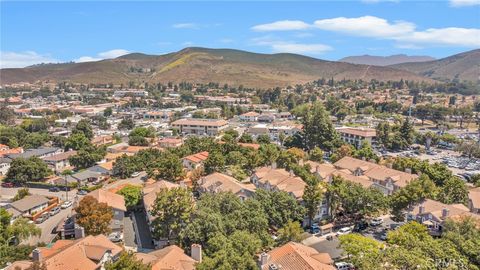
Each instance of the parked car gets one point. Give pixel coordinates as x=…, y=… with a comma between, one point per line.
x=360, y=226
x=383, y=236
x=135, y=174
x=314, y=229
x=66, y=204
x=82, y=192
x=7, y=185
x=54, y=211
x=395, y=226
x=42, y=218
x=376, y=221
x=54, y=189
x=115, y=237
x=344, y=266
x=345, y=230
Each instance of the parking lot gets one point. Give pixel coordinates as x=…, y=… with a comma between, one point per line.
x=332, y=246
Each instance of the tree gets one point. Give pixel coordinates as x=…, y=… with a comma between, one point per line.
x=131, y=194
x=365, y=152
x=127, y=261
x=469, y=148
x=318, y=129
x=312, y=197
x=124, y=166
x=263, y=139
x=83, y=126
x=24, y=170
x=214, y=163
x=453, y=191
x=87, y=157
x=234, y=252
x=77, y=141
x=291, y=231
x=126, y=124
x=346, y=150
x=316, y=154
x=280, y=207
x=170, y=209
x=13, y=233
x=93, y=216
x=108, y=112
x=364, y=252
x=464, y=234
x=246, y=138
x=407, y=132
x=169, y=168
x=137, y=141
x=7, y=116
x=21, y=193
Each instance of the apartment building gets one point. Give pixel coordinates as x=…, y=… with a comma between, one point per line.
x=209, y=127
x=356, y=136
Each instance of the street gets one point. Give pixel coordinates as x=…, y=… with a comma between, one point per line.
x=7, y=194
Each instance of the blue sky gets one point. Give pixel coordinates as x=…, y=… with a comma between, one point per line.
x=34, y=32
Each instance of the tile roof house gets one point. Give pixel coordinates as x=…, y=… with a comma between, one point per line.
x=219, y=182
x=249, y=116
x=357, y=135
x=474, y=200
x=270, y=178
x=168, y=258
x=210, y=127
x=59, y=161
x=116, y=201
x=194, y=161
x=89, y=253
x=385, y=179
x=40, y=152
x=295, y=256
x=433, y=213
x=28, y=206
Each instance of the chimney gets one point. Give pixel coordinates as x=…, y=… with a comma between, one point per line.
x=317, y=169
x=197, y=252
x=421, y=209
x=274, y=165
x=291, y=173
x=79, y=232
x=408, y=170
x=445, y=212
x=263, y=258
x=37, y=255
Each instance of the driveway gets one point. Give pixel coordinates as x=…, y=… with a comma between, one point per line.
x=47, y=227
x=144, y=236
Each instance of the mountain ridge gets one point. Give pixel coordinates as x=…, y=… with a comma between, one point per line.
x=367, y=59
x=203, y=65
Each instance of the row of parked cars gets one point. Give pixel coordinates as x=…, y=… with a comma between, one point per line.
x=53, y=212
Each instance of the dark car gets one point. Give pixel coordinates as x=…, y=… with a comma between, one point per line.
x=314, y=229
x=8, y=185
x=54, y=189
x=82, y=192
x=360, y=226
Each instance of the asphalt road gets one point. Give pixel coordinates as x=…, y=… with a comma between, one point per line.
x=8, y=193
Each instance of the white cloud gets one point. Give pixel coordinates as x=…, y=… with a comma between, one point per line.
x=468, y=37
x=368, y=26
x=281, y=46
x=185, y=26
x=300, y=48
x=285, y=25
x=102, y=55
x=23, y=59
x=405, y=33
x=464, y=3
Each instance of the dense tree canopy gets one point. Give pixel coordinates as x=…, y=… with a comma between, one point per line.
x=94, y=216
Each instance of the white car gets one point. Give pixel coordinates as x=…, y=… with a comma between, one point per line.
x=376, y=221
x=343, y=266
x=135, y=174
x=345, y=230
x=66, y=204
